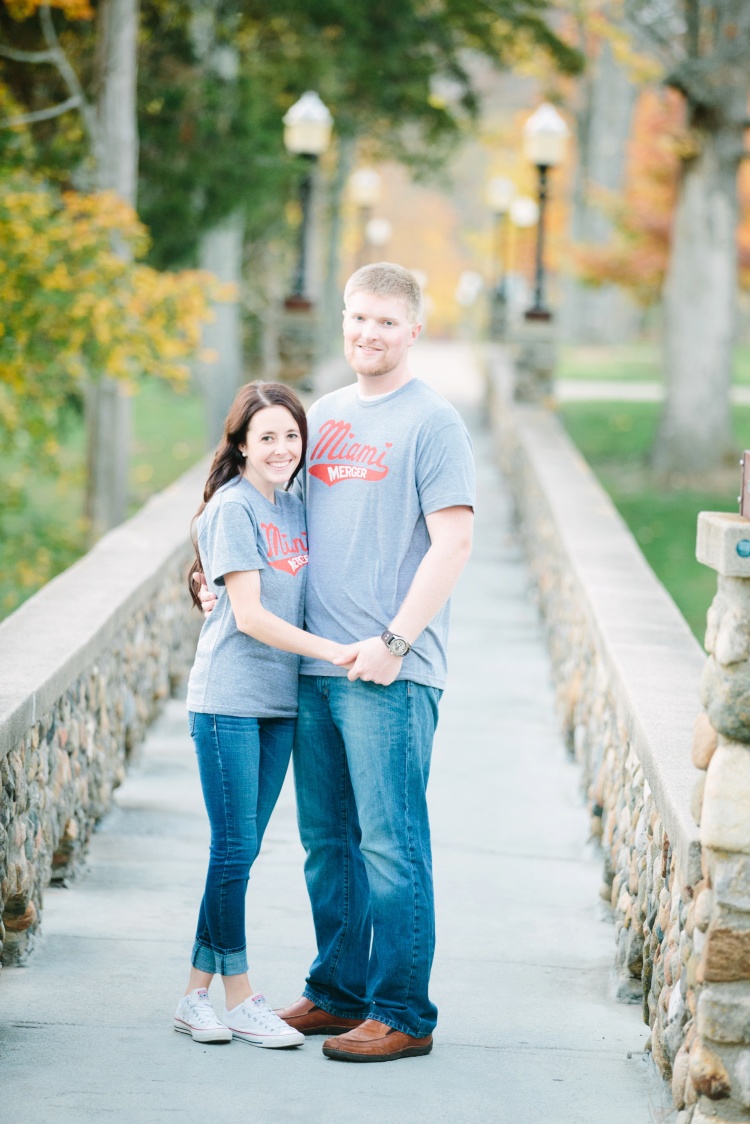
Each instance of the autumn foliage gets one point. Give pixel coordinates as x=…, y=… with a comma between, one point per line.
x=73, y=309
x=637, y=257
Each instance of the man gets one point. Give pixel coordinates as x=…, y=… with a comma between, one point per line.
x=389, y=488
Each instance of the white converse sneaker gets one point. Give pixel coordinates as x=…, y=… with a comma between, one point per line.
x=254, y=1022
x=196, y=1016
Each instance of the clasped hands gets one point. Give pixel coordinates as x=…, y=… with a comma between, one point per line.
x=368, y=660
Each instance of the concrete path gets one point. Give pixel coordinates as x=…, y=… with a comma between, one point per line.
x=619, y=390
x=528, y=1031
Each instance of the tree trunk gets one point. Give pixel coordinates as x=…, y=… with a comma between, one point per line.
x=700, y=297
x=606, y=314
x=221, y=254
x=108, y=400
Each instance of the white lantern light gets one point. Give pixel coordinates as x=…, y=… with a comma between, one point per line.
x=500, y=193
x=307, y=126
x=364, y=187
x=524, y=212
x=378, y=232
x=545, y=137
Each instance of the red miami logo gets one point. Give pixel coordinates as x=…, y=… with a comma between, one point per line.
x=337, y=456
x=283, y=554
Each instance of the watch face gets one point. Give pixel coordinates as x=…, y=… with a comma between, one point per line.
x=398, y=646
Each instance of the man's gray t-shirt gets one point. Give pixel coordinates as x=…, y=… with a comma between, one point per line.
x=375, y=469
x=241, y=530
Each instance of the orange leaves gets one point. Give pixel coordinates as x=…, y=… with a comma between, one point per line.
x=637, y=259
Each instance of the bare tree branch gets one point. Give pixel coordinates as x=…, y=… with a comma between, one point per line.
x=69, y=76
x=40, y=114
x=26, y=56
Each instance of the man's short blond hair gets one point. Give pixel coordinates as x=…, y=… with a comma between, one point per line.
x=386, y=279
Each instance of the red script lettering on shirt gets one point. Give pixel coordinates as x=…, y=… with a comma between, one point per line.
x=283, y=554
x=351, y=461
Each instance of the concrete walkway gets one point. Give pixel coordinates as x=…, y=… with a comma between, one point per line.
x=618, y=390
x=528, y=1032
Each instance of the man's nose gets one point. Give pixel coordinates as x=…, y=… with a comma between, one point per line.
x=370, y=329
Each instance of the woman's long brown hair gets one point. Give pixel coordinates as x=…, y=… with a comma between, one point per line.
x=229, y=462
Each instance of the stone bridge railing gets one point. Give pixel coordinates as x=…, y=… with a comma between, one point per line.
x=628, y=681
x=84, y=667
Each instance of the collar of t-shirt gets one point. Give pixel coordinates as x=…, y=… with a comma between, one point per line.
x=376, y=397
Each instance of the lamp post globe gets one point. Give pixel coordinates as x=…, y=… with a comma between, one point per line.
x=307, y=126
x=499, y=194
x=365, y=187
x=545, y=139
x=524, y=212
x=378, y=232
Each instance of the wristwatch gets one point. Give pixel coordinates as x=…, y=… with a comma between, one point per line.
x=396, y=645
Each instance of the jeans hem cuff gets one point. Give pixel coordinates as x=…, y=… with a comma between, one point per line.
x=422, y=1031
x=206, y=959
x=331, y=1010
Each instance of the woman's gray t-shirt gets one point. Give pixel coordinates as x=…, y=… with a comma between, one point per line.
x=241, y=530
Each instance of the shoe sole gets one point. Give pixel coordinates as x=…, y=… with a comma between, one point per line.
x=267, y=1044
x=345, y=1056
x=203, y=1036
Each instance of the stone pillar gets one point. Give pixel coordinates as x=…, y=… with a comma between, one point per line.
x=718, y=1055
x=536, y=356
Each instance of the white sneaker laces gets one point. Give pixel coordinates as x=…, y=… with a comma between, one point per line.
x=267, y=1018
x=202, y=1011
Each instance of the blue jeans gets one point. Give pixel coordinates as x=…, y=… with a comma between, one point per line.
x=242, y=764
x=361, y=764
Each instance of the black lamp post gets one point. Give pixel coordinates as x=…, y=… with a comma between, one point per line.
x=545, y=138
x=500, y=193
x=365, y=191
x=307, y=133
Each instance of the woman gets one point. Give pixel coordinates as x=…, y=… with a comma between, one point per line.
x=242, y=693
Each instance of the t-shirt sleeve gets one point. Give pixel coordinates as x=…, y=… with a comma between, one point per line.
x=445, y=469
x=229, y=542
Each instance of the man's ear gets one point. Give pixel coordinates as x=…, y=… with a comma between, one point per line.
x=415, y=330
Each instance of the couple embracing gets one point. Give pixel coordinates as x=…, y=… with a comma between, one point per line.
x=339, y=654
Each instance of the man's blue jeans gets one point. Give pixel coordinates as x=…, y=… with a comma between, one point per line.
x=242, y=764
x=361, y=764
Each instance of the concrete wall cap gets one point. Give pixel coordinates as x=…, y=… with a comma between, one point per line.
x=724, y=543
x=56, y=635
x=652, y=658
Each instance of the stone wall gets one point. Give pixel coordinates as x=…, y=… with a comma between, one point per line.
x=627, y=672
x=84, y=667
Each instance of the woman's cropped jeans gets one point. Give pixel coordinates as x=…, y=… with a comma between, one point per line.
x=242, y=764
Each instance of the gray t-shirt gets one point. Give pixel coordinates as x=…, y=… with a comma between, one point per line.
x=374, y=470
x=241, y=530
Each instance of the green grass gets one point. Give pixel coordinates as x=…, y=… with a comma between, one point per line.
x=48, y=535
x=615, y=438
x=636, y=362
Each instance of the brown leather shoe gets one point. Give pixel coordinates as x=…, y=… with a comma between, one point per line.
x=309, y=1019
x=375, y=1042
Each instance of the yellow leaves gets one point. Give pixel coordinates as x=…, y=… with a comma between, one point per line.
x=73, y=9
x=74, y=309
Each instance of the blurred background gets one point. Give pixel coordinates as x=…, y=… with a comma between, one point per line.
x=185, y=186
